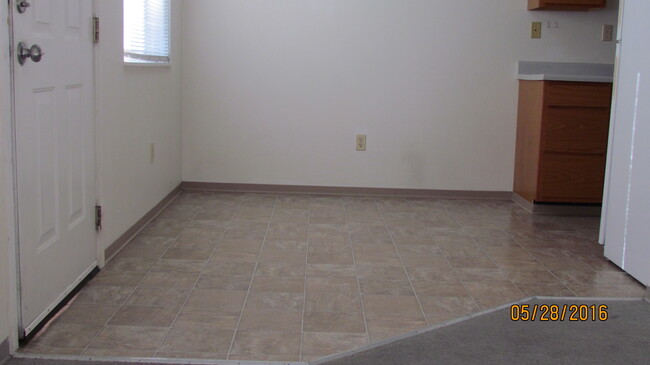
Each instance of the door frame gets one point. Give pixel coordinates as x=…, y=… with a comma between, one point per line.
x=9, y=173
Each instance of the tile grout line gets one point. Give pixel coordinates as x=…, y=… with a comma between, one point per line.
x=455, y=270
x=304, y=287
x=356, y=272
x=545, y=267
x=126, y=300
x=250, y=285
x=408, y=276
x=195, y=282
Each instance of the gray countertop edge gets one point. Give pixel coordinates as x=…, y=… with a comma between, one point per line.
x=565, y=71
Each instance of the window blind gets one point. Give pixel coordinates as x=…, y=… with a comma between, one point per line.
x=146, y=31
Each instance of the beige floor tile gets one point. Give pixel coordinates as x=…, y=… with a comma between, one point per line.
x=612, y=291
x=253, y=319
x=222, y=255
x=334, y=322
x=130, y=264
x=207, y=317
x=169, y=280
x=129, y=338
x=448, y=305
x=330, y=271
x=281, y=269
x=452, y=288
x=480, y=289
x=328, y=343
x=220, y=299
x=275, y=301
x=386, y=287
x=432, y=274
x=380, y=271
x=146, y=246
x=271, y=244
x=118, y=278
x=531, y=276
x=272, y=255
x=130, y=315
x=109, y=295
x=333, y=302
x=266, y=343
x=229, y=268
x=472, y=262
x=46, y=350
x=199, y=339
x=182, y=253
x=545, y=290
x=159, y=297
x=330, y=258
x=467, y=275
x=245, y=245
x=391, y=304
x=224, y=282
x=67, y=335
x=278, y=284
x=164, y=228
x=87, y=313
x=374, y=249
x=337, y=285
x=394, y=324
x=178, y=266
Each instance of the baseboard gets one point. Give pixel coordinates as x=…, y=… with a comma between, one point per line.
x=557, y=209
x=356, y=191
x=125, y=238
x=4, y=351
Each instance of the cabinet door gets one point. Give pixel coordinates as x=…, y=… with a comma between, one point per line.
x=573, y=178
x=575, y=130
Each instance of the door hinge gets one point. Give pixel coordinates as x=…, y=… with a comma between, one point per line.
x=98, y=217
x=95, y=30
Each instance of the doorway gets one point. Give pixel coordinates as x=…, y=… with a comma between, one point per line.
x=53, y=99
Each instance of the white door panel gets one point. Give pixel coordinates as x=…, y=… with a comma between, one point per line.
x=625, y=228
x=54, y=153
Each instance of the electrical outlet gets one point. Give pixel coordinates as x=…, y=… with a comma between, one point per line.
x=361, y=142
x=608, y=33
x=152, y=152
x=536, y=30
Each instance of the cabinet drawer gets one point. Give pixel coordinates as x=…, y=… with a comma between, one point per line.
x=571, y=178
x=578, y=94
x=575, y=130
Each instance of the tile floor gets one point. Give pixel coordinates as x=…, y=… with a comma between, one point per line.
x=298, y=277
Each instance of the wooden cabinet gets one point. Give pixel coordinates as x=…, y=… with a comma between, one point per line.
x=562, y=132
x=565, y=4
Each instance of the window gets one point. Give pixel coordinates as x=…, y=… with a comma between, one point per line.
x=146, y=31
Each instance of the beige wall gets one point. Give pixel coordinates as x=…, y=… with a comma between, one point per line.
x=139, y=105
x=275, y=91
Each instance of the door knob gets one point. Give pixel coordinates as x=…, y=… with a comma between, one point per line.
x=34, y=52
x=22, y=6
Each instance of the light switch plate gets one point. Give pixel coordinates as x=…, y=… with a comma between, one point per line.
x=361, y=142
x=608, y=33
x=536, y=30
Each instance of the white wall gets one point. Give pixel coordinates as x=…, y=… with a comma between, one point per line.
x=275, y=91
x=139, y=105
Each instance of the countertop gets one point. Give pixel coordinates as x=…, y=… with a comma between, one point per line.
x=562, y=71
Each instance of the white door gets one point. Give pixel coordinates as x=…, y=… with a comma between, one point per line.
x=54, y=118
x=625, y=228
